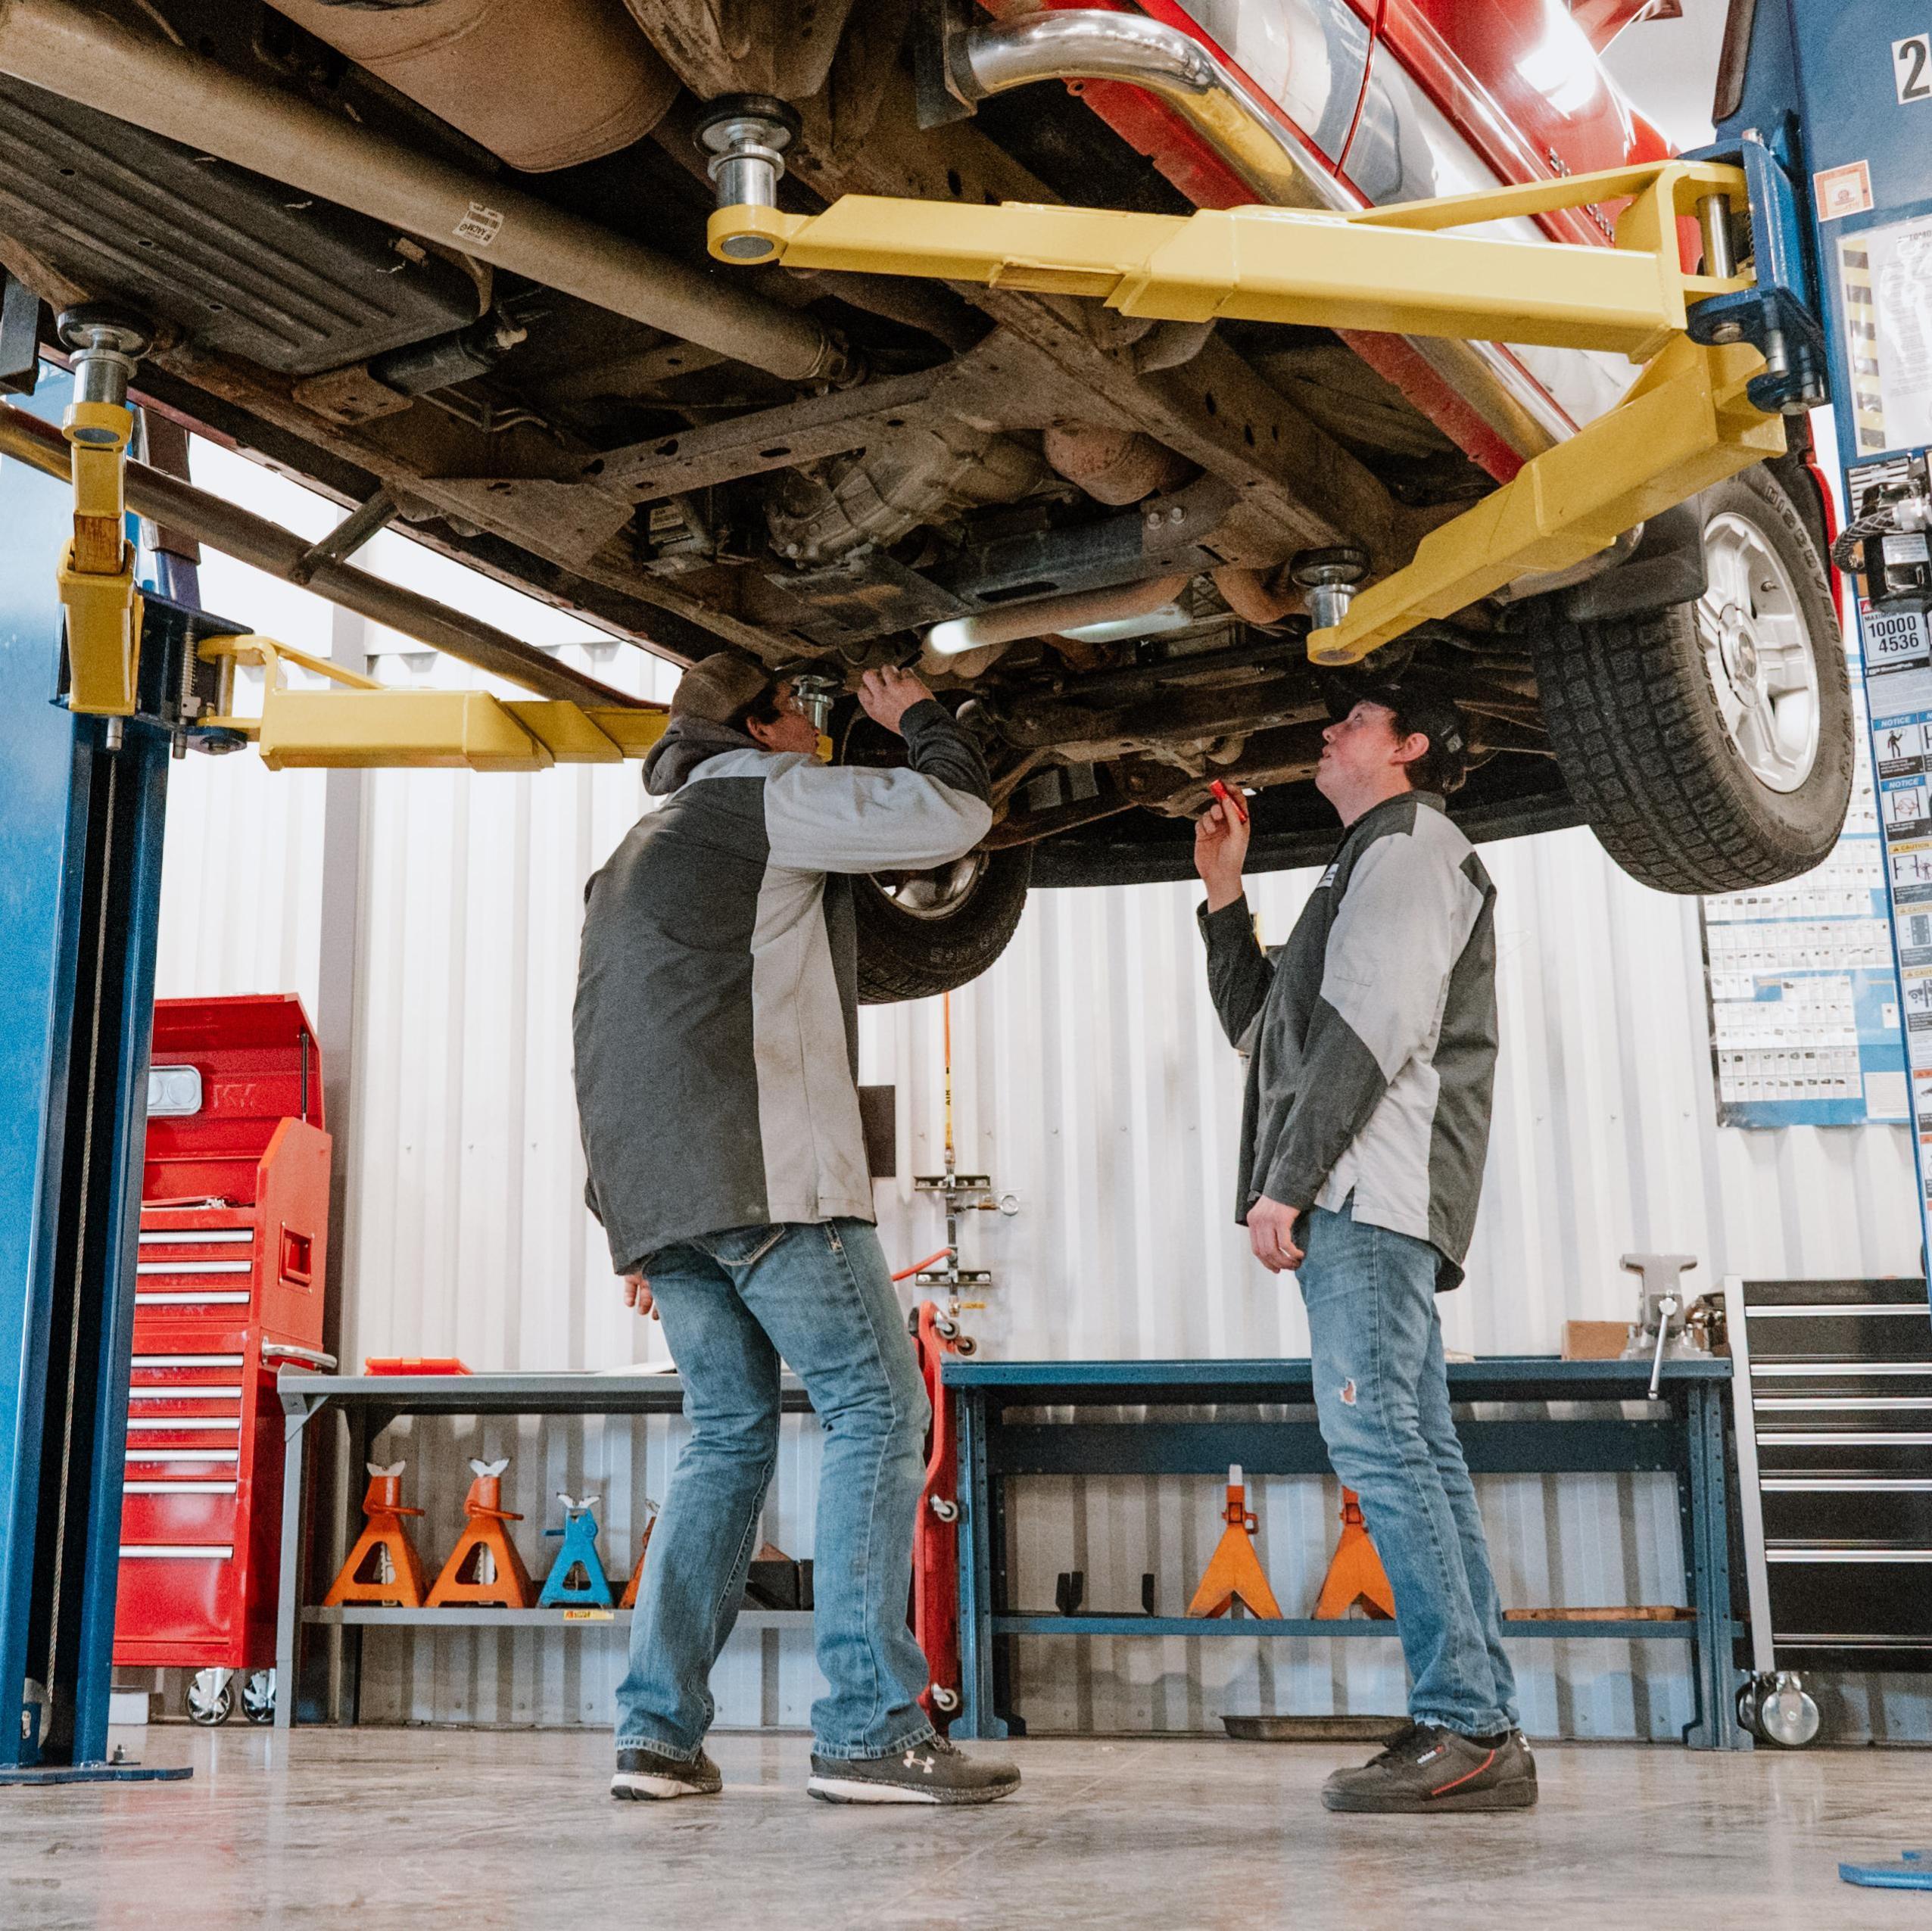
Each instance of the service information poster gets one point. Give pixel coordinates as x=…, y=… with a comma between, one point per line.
x=1805, y=1020
x=1898, y=691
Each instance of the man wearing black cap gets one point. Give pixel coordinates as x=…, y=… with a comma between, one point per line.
x=717, y=1042
x=1371, y=1038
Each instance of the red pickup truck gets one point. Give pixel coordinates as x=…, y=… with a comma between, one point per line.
x=822, y=470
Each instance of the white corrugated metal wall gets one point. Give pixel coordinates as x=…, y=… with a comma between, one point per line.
x=1089, y=1079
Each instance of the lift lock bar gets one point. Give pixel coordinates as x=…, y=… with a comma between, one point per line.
x=1690, y=420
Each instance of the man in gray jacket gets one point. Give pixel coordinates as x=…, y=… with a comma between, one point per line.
x=1371, y=1038
x=716, y=1047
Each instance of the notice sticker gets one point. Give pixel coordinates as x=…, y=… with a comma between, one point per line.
x=481, y=225
x=1842, y=191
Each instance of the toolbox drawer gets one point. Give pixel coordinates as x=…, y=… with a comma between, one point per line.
x=177, y=1604
x=1854, y=1593
x=196, y=1271
x=197, y=1507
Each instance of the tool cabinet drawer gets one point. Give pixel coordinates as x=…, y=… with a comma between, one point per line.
x=197, y=1505
x=176, y=1601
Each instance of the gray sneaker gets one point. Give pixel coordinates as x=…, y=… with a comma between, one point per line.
x=932, y=1772
x=1427, y=1768
x=647, y=1776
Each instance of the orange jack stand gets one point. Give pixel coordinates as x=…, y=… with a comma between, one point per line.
x=629, y=1599
x=509, y=1587
x=1355, y=1575
x=1234, y=1570
x=384, y=1545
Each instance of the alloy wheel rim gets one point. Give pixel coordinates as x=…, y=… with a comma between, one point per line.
x=1758, y=654
x=937, y=894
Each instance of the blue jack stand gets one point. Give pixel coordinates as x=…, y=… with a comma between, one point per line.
x=1913, y=1871
x=580, y=1550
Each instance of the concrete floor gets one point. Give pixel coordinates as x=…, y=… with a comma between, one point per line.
x=501, y=1831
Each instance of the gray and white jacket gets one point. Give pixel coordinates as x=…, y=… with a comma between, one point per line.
x=716, y=1025
x=1371, y=1035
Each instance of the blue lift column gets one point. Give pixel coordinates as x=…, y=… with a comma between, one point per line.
x=1838, y=93
x=81, y=813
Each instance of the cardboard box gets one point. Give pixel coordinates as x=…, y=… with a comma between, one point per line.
x=1595, y=1341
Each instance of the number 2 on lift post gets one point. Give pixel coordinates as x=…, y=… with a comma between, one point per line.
x=1911, y=67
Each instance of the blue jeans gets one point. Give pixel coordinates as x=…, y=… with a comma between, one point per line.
x=1382, y=1393
x=821, y=1296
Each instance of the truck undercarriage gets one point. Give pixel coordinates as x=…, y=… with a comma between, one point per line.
x=1083, y=526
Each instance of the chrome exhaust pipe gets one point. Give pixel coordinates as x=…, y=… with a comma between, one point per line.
x=1272, y=161
x=82, y=56
x=1088, y=44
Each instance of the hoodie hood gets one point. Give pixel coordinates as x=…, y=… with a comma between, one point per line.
x=685, y=746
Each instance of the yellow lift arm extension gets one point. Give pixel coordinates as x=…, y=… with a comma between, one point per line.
x=1685, y=424
x=365, y=724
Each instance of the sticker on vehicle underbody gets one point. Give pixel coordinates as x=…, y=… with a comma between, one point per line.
x=481, y=225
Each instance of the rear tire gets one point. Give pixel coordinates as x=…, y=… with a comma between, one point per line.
x=905, y=954
x=1634, y=710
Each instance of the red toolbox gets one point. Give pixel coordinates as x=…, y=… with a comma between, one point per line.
x=233, y=1264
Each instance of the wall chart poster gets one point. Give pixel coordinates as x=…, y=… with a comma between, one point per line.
x=1805, y=1020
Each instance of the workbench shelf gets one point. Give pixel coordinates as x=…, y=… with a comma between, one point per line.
x=365, y=1404
x=1017, y=1419
x=375, y=1616
x=1053, y=1624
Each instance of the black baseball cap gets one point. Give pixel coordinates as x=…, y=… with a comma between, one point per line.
x=1439, y=721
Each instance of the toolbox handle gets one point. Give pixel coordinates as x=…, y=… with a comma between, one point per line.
x=305, y=1357
x=297, y=1251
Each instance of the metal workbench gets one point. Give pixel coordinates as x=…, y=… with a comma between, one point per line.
x=367, y=1404
x=1007, y=1429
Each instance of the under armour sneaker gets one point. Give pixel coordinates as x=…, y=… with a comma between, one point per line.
x=1425, y=1768
x=646, y=1776
x=932, y=1772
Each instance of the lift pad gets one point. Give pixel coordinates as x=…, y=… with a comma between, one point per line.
x=1688, y=421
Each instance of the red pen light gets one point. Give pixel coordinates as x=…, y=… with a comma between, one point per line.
x=1233, y=797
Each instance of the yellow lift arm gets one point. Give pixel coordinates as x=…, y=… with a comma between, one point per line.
x=1685, y=424
x=365, y=724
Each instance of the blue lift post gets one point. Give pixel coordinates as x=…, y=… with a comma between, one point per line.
x=1838, y=99
x=80, y=864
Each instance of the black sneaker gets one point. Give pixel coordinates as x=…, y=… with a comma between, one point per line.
x=648, y=1777
x=1428, y=1769
x=932, y=1772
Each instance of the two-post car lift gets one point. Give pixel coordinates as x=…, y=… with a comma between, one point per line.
x=1755, y=331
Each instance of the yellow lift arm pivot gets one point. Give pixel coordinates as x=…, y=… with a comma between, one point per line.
x=1687, y=422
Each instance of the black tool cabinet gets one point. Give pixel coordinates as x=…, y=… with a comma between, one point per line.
x=1834, y=1393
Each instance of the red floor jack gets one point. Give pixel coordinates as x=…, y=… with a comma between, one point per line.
x=936, y=1537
